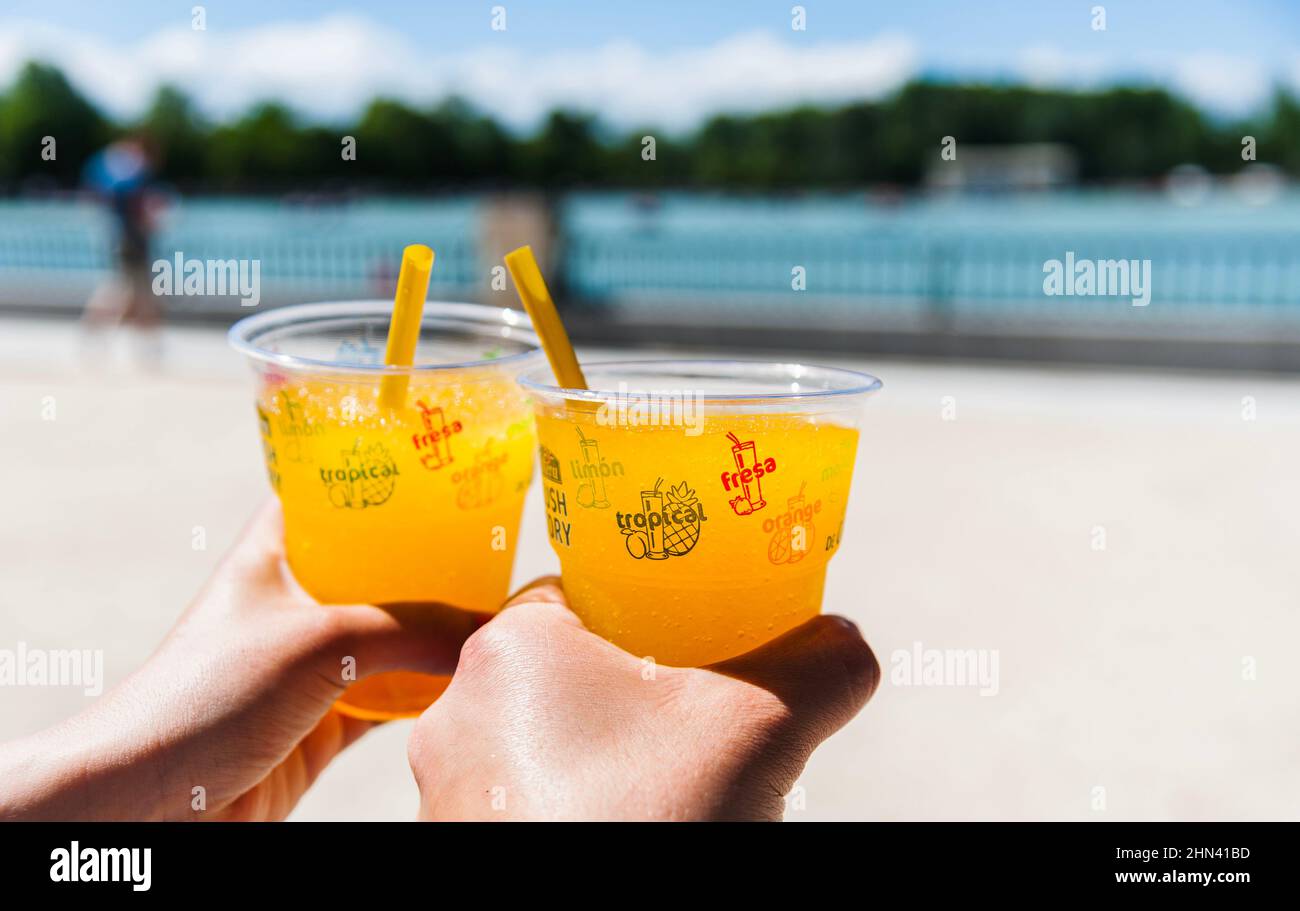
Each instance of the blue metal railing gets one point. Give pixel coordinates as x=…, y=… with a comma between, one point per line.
x=957, y=263
x=53, y=252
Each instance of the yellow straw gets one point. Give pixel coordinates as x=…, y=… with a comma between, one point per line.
x=404, y=328
x=546, y=321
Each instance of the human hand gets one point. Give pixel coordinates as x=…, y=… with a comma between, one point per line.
x=546, y=720
x=236, y=701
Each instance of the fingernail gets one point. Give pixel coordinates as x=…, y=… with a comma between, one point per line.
x=847, y=624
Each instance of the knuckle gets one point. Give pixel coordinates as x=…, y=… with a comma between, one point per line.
x=489, y=646
x=751, y=710
x=330, y=630
x=763, y=709
x=546, y=588
x=420, y=743
x=519, y=639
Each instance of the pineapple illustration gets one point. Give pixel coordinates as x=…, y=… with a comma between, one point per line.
x=376, y=489
x=680, y=539
x=370, y=476
x=675, y=528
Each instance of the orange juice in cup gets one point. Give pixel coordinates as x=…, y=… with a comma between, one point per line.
x=416, y=501
x=723, y=487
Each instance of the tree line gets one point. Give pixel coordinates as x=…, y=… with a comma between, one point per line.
x=1118, y=134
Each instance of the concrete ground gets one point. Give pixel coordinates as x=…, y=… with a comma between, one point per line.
x=1121, y=542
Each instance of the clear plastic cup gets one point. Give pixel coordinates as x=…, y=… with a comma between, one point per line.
x=418, y=504
x=695, y=505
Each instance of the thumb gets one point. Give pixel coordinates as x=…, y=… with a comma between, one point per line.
x=423, y=637
x=544, y=595
x=822, y=671
x=544, y=589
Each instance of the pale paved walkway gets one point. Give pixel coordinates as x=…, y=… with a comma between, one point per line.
x=1119, y=668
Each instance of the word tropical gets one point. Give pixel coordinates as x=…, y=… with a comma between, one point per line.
x=593, y=470
x=76, y=864
x=667, y=525
x=209, y=278
x=23, y=666
x=653, y=408
x=792, y=530
x=945, y=667
x=367, y=477
x=1101, y=278
x=747, y=478
x=436, y=439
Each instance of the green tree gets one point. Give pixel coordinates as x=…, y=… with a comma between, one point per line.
x=628, y=166
x=565, y=152
x=267, y=148
x=180, y=134
x=43, y=103
x=398, y=144
x=483, y=150
x=1279, y=140
x=1120, y=133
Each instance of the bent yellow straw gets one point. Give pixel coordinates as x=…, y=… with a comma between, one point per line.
x=546, y=321
x=404, y=328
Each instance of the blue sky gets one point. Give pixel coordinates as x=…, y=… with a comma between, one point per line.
x=664, y=61
x=949, y=29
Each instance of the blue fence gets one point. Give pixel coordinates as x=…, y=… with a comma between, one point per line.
x=1224, y=266
x=55, y=253
x=959, y=263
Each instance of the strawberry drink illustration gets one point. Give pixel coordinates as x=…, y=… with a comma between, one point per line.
x=435, y=442
x=747, y=478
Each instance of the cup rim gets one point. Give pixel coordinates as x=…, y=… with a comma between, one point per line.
x=858, y=384
x=241, y=336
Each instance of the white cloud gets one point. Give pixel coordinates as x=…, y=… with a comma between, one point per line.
x=1217, y=82
x=1045, y=65
x=1223, y=83
x=329, y=67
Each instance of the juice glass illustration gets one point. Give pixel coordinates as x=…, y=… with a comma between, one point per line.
x=725, y=487
x=591, y=492
x=417, y=504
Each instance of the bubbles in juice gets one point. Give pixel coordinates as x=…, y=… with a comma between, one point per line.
x=694, y=547
x=416, y=505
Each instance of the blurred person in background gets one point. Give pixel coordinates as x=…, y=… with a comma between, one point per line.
x=123, y=175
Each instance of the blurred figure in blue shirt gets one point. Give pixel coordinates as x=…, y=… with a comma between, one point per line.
x=122, y=175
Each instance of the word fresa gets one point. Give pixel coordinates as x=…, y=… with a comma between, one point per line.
x=747, y=481
x=434, y=445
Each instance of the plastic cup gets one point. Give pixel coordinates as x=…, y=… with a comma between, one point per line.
x=695, y=505
x=410, y=505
